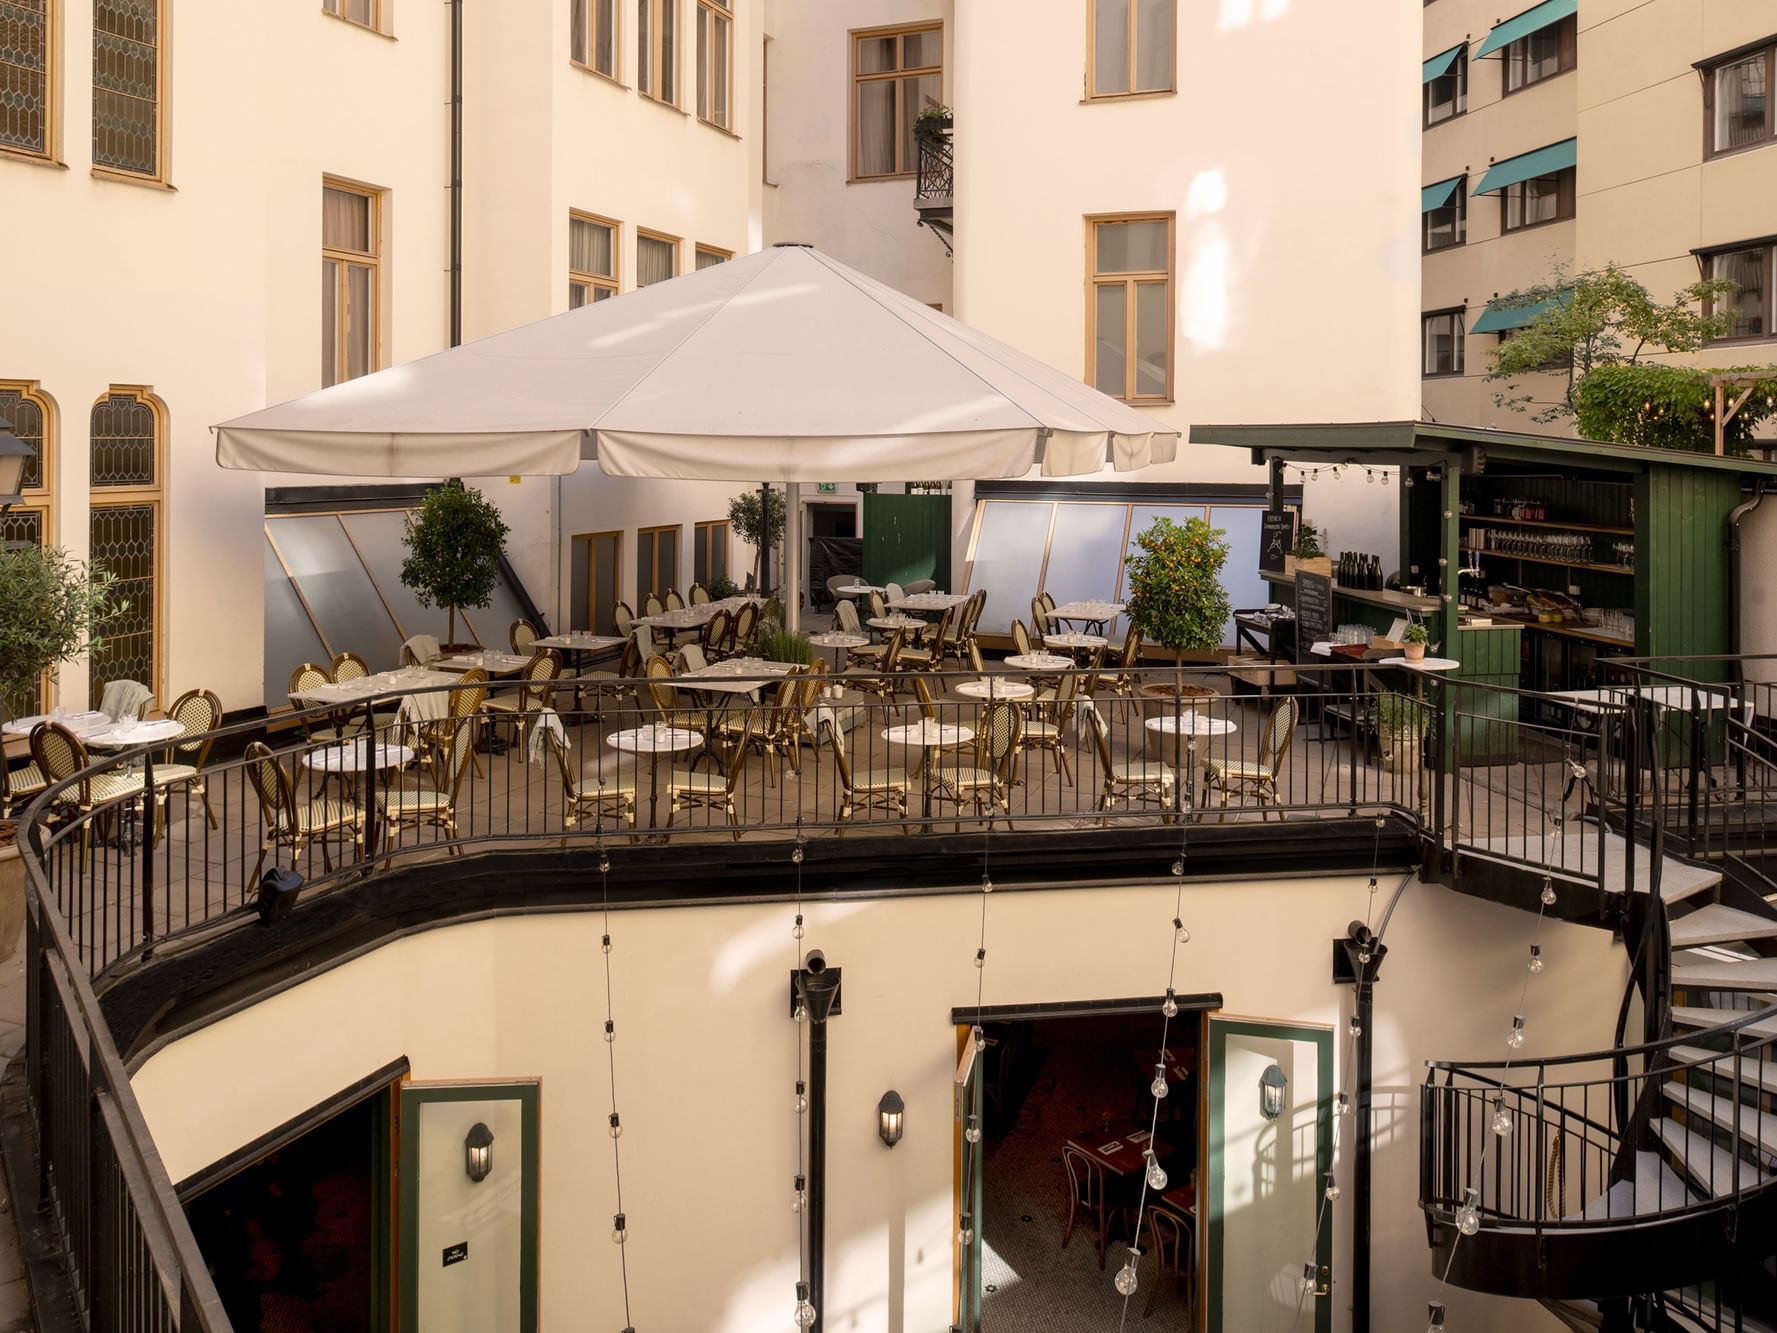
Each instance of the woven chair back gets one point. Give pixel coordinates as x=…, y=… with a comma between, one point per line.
x=836, y=738
x=198, y=712
x=520, y=635
x=895, y=591
x=847, y=615
x=1280, y=729
x=699, y=594
x=471, y=692
x=652, y=605
x=623, y=618
x=307, y=677
x=349, y=666
x=57, y=751
x=715, y=630
x=1000, y=734
x=1101, y=739
x=674, y=602
x=745, y=622
x=660, y=688
x=1020, y=638
x=266, y=776
x=743, y=742
x=877, y=607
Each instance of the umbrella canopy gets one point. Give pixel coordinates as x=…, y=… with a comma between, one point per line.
x=782, y=366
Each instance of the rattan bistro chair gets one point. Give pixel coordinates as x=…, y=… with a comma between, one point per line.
x=652, y=605
x=60, y=757
x=1225, y=775
x=19, y=785
x=412, y=801
x=674, y=602
x=690, y=790
x=987, y=781
x=624, y=619
x=521, y=634
x=540, y=676
x=699, y=594
x=199, y=713
x=880, y=678
x=927, y=658
x=296, y=824
x=882, y=789
x=592, y=799
x=1146, y=780
x=1046, y=726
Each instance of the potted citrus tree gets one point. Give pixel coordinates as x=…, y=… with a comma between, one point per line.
x=454, y=547
x=1176, y=598
x=51, y=609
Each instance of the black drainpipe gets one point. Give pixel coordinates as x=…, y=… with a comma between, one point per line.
x=1734, y=563
x=456, y=172
x=817, y=987
x=1364, y=953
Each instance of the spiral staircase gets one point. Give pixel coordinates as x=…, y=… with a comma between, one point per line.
x=1634, y=1187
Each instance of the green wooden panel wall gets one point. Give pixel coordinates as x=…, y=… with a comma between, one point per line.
x=907, y=537
x=1681, y=564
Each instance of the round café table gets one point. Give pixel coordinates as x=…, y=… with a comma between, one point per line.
x=993, y=688
x=1039, y=662
x=929, y=735
x=1074, y=641
x=654, y=740
x=1190, y=725
x=839, y=641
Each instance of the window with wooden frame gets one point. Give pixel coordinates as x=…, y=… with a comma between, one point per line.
x=1129, y=306
x=657, y=50
x=595, y=576
x=1752, y=268
x=28, y=69
x=592, y=259
x=31, y=522
x=1738, y=108
x=715, y=63
x=657, y=561
x=351, y=281
x=709, y=551
x=592, y=36
x=1131, y=48
x=129, y=67
x=1540, y=55
x=364, y=13
x=1442, y=336
x=1447, y=226
x=1446, y=96
x=1541, y=199
x=657, y=257
x=896, y=73
x=126, y=533
x=708, y=256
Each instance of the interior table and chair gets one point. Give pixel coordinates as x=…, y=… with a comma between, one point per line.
x=1093, y=614
x=654, y=740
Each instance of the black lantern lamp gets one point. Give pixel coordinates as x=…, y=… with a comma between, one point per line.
x=891, y=1113
x=15, y=456
x=478, y=1153
x=1272, y=1087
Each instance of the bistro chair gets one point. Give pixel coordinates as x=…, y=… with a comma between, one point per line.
x=58, y=754
x=349, y=666
x=718, y=636
x=746, y=621
x=307, y=677
x=199, y=713
x=464, y=706
x=881, y=680
x=614, y=685
x=952, y=641
x=413, y=800
x=591, y=799
x=1046, y=726
x=878, y=608
x=1145, y=780
x=1087, y=1193
x=665, y=697
x=895, y=592
x=623, y=618
x=987, y=781
x=690, y=658
x=296, y=824
x=774, y=735
x=926, y=659
x=126, y=700
x=690, y=790
x=1170, y=1242
x=674, y=602
x=1020, y=639
x=1126, y=679
x=1225, y=775
x=1039, y=617
x=866, y=789
x=540, y=676
x=652, y=605
x=699, y=594
x=520, y=635
x=18, y=785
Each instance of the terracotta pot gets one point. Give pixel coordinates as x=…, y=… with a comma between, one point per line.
x=1413, y=652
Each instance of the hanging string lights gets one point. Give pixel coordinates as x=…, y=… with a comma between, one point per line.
x=965, y=1222
x=802, y=1314
x=619, y=1220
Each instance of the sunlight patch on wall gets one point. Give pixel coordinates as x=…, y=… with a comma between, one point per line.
x=1239, y=13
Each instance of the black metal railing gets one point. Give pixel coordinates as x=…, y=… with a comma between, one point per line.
x=934, y=180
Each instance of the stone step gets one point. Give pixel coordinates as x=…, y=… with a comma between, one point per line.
x=1655, y=1189
x=1715, y=923
x=1701, y=1016
x=1703, y=972
x=1712, y=1167
x=1753, y=1070
x=1756, y=1126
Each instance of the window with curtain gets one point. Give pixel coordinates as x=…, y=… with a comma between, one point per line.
x=126, y=86
x=592, y=35
x=1753, y=271
x=715, y=62
x=363, y=12
x=657, y=257
x=26, y=78
x=1448, y=226
x=657, y=561
x=125, y=533
x=709, y=552
x=708, y=256
x=1442, y=342
x=1535, y=201
x=1132, y=47
x=350, y=270
x=592, y=259
x=1129, y=312
x=1737, y=101
x=1447, y=95
x=896, y=74
x=1542, y=55
x=657, y=49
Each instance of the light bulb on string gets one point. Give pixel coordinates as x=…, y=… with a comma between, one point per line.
x=1124, y=1282
x=799, y=1199
x=1332, y=1190
x=965, y=1231
x=1548, y=893
x=610, y=1030
x=1156, y=1173
x=973, y=1132
x=1342, y=1103
x=1536, y=958
x=605, y=943
x=1434, y=1317
x=1180, y=931
x=1308, y=1276
x=796, y=931
x=796, y=855
x=604, y=864
x=619, y=1230
x=802, y=1013
x=801, y=1102
x=1178, y=867
x=1515, y=1038
x=1502, y=1122
x=980, y=1040
x=986, y=883
x=1158, y=1086
x=616, y=1126
x=1355, y=1028
x=804, y=1313
x=1468, y=1216
x=1169, y=1006
x=981, y=957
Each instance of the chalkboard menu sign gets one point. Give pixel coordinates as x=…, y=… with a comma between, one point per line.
x=1277, y=538
x=1314, y=612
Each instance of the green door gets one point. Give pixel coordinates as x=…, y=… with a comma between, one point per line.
x=469, y=1246
x=1265, y=1192
x=971, y=1220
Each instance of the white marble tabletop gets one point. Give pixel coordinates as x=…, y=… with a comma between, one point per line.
x=655, y=739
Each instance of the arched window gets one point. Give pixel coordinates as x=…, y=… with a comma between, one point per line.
x=128, y=427
x=33, y=418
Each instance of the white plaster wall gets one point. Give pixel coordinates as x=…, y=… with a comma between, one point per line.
x=705, y=1066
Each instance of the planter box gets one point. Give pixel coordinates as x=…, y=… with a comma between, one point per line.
x=1320, y=564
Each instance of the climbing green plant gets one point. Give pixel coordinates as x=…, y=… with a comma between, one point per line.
x=1670, y=407
x=453, y=550
x=1176, y=597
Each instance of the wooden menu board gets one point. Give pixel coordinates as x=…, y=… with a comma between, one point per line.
x=1314, y=612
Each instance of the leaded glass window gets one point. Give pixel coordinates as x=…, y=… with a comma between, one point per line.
x=24, y=75
x=123, y=543
x=126, y=85
x=124, y=436
x=25, y=412
x=23, y=527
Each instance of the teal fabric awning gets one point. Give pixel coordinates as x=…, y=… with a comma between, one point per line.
x=1498, y=315
x=1531, y=20
x=1528, y=166
x=1439, y=65
x=1436, y=196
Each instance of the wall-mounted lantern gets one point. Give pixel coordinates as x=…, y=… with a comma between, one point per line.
x=1272, y=1088
x=891, y=1113
x=478, y=1153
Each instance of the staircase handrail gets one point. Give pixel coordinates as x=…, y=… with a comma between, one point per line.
x=1691, y=1038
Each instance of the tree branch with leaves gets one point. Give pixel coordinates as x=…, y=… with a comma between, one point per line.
x=52, y=608
x=454, y=548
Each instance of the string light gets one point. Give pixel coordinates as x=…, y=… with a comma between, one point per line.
x=619, y=1230
x=803, y=1312
x=1515, y=1038
x=619, y=1220
x=1125, y=1279
x=1536, y=958
x=799, y=1199
x=1156, y=1173
x=1332, y=1191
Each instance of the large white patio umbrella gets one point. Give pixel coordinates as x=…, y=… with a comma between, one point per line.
x=783, y=366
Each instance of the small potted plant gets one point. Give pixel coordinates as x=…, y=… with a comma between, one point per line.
x=1414, y=640
x=933, y=120
x=1400, y=730
x=1309, y=553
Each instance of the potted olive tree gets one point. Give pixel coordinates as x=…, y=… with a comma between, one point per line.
x=1400, y=722
x=51, y=609
x=759, y=522
x=1176, y=598
x=453, y=552
x=1309, y=553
